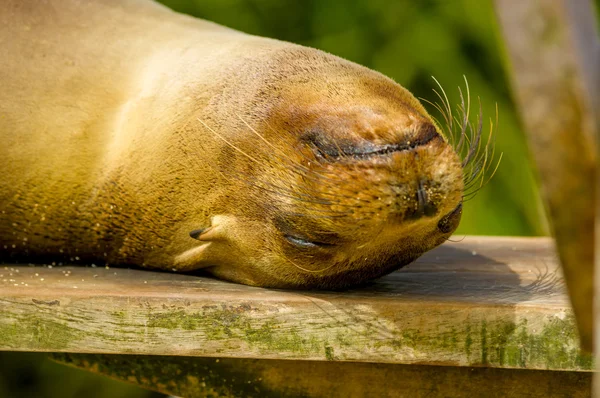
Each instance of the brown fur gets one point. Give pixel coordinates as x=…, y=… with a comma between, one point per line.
x=125, y=126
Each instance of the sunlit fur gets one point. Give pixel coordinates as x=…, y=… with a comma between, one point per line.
x=126, y=126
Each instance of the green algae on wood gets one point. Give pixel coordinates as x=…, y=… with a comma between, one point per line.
x=480, y=341
x=461, y=309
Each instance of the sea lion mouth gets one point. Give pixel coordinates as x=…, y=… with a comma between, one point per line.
x=327, y=148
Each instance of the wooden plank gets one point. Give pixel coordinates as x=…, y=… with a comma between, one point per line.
x=553, y=50
x=496, y=302
x=228, y=377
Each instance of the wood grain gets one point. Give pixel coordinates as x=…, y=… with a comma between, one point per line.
x=495, y=302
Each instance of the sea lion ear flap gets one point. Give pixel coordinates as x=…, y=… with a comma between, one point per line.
x=213, y=249
x=205, y=254
x=208, y=234
x=213, y=233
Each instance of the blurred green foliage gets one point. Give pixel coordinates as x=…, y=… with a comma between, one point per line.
x=407, y=40
x=32, y=375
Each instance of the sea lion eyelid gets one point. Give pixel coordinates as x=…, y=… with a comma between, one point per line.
x=301, y=242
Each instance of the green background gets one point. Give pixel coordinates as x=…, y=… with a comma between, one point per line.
x=409, y=41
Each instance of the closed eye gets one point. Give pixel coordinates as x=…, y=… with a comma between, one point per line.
x=303, y=243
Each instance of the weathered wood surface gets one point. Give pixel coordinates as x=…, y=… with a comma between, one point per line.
x=232, y=377
x=553, y=50
x=496, y=302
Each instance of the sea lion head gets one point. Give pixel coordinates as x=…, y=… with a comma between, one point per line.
x=337, y=175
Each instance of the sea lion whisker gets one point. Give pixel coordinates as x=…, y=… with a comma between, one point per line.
x=276, y=192
x=477, y=180
x=467, y=142
x=468, y=97
x=308, y=270
x=299, y=152
x=472, y=174
x=313, y=175
x=487, y=154
x=339, y=212
x=464, y=108
x=448, y=131
x=444, y=100
x=491, y=141
x=273, y=147
x=294, y=195
x=448, y=119
x=456, y=241
x=476, y=169
x=464, y=123
x=476, y=143
x=467, y=196
x=471, y=195
x=227, y=142
x=305, y=171
x=243, y=179
x=303, y=197
x=309, y=161
x=441, y=110
x=463, y=137
x=491, y=175
x=320, y=194
x=311, y=216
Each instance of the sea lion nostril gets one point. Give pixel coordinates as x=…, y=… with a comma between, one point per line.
x=425, y=207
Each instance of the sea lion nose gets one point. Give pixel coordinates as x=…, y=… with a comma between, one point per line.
x=450, y=221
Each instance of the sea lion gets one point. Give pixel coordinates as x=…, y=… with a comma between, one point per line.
x=134, y=135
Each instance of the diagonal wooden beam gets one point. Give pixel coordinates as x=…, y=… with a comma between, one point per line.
x=553, y=54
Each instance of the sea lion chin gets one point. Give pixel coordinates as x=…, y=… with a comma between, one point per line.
x=259, y=161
